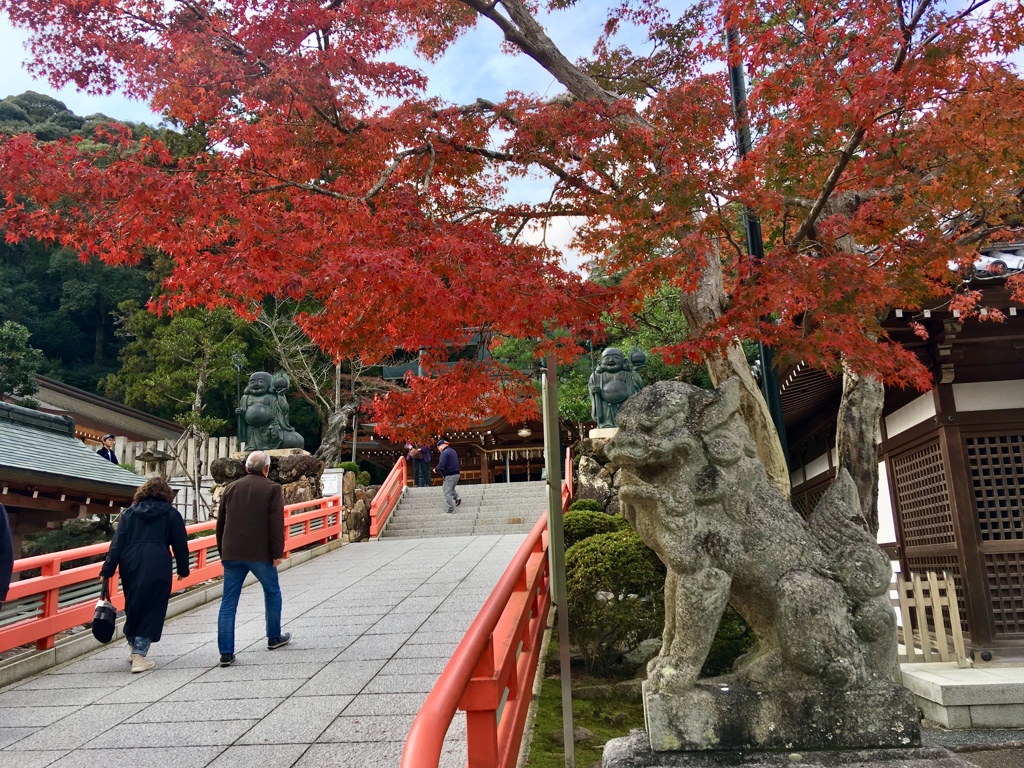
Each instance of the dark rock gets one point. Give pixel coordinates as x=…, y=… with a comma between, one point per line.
x=300, y=490
x=358, y=521
x=291, y=468
x=225, y=470
x=594, y=448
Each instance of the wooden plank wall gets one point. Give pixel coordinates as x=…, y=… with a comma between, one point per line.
x=177, y=472
x=184, y=450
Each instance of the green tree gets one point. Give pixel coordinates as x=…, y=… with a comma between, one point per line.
x=19, y=364
x=172, y=364
x=92, y=290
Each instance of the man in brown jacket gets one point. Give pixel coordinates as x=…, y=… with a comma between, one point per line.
x=250, y=538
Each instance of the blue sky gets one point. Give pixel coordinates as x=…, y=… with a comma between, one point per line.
x=473, y=68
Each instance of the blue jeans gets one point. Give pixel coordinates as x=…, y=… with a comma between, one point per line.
x=235, y=572
x=140, y=645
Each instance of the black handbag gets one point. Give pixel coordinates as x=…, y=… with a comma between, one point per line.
x=104, y=618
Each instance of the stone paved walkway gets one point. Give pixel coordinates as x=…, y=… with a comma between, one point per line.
x=372, y=626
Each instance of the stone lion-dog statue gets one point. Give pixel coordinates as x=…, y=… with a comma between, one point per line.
x=814, y=591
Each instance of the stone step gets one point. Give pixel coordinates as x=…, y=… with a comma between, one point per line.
x=465, y=530
x=492, y=509
x=446, y=519
x=426, y=501
x=516, y=489
x=467, y=506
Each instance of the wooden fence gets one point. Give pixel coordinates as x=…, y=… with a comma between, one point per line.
x=929, y=617
x=183, y=454
x=177, y=461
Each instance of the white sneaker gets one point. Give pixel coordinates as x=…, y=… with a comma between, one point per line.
x=141, y=663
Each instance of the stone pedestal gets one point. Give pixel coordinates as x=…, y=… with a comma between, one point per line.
x=714, y=716
x=297, y=472
x=634, y=751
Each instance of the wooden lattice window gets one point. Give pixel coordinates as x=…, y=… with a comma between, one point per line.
x=1004, y=588
x=938, y=564
x=922, y=497
x=997, y=472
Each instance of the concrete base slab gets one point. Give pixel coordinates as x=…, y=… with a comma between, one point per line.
x=978, y=697
x=634, y=751
x=714, y=716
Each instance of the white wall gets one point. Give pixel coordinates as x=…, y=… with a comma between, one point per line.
x=989, y=395
x=913, y=413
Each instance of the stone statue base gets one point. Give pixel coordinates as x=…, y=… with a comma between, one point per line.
x=634, y=751
x=295, y=470
x=271, y=452
x=715, y=716
x=603, y=433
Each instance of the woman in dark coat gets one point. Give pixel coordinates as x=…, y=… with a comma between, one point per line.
x=144, y=532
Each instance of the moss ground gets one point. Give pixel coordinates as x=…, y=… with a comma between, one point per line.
x=605, y=718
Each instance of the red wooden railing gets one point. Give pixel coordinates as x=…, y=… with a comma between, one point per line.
x=388, y=496
x=490, y=675
x=38, y=608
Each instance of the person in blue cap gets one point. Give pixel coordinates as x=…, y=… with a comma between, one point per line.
x=448, y=468
x=107, y=451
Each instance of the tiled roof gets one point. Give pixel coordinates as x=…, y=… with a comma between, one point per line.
x=40, y=447
x=103, y=415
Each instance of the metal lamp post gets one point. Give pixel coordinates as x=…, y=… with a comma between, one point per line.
x=752, y=225
x=238, y=362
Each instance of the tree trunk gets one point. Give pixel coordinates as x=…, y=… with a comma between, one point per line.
x=857, y=434
x=703, y=307
x=860, y=410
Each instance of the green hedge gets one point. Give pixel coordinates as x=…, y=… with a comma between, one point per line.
x=615, y=586
x=580, y=524
x=590, y=505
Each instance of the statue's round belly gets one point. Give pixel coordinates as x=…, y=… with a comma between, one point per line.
x=259, y=415
x=615, y=391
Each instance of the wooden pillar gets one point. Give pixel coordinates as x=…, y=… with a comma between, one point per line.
x=485, y=468
x=959, y=485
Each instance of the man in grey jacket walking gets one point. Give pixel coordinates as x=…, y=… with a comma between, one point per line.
x=448, y=468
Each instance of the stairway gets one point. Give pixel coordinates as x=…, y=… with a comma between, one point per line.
x=494, y=508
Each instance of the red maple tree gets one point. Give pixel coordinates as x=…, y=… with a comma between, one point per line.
x=887, y=142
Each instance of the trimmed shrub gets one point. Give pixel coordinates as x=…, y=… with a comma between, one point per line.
x=615, y=586
x=349, y=466
x=590, y=505
x=580, y=524
x=363, y=478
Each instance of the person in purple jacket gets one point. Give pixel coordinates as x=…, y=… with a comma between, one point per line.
x=448, y=468
x=421, y=466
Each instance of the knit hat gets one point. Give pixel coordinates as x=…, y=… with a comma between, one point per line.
x=441, y=442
